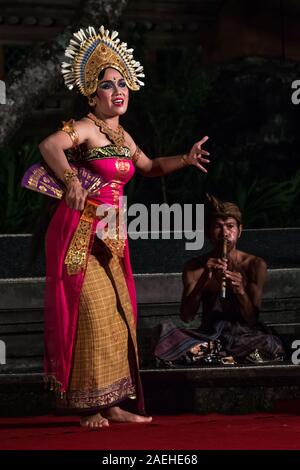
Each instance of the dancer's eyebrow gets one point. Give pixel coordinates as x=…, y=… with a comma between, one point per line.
x=112, y=81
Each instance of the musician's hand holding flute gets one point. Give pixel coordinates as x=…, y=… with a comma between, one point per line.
x=218, y=268
x=236, y=281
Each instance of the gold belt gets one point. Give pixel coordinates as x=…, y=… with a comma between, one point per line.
x=77, y=254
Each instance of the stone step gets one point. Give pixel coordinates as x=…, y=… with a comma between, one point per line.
x=230, y=389
x=22, y=366
x=24, y=347
x=209, y=389
x=285, y=311
x=203, y=375
x=283, y=283
x=21, y=311
x=279, y=247
x=158, y=265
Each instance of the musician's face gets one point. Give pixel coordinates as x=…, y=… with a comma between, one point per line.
x=225, y=228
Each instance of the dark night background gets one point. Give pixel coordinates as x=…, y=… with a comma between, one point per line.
x=222, y=68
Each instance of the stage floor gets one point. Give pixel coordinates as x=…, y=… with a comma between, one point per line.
x=189, y=431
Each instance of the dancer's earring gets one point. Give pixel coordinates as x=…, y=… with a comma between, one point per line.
x=92, y=101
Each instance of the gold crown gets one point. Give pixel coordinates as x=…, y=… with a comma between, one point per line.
x=92, y=52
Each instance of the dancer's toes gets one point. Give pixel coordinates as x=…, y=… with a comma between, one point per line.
x=142, y=419
x=94, y=421
x=118, y=415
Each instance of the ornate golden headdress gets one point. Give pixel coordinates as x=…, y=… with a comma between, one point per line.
x=92, y=52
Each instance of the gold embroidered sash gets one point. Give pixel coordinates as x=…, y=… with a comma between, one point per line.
x=77, y=254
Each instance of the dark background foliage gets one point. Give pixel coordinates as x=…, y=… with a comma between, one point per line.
x=242, y=103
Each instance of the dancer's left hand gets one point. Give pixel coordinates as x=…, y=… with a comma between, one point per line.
x=195, y=156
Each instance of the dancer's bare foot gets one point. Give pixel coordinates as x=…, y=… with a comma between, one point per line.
x=116, y=414
x=94, y=421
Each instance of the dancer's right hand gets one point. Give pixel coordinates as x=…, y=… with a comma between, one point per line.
x=76, y=195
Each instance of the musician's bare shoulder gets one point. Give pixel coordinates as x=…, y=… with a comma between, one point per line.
x=250, y=262
x=254, y=266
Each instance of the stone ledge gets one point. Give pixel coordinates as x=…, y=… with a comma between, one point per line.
x=279, y=247
x=240, y=372
x=28, y=378
x=191, y=374
x=231, y=390
x=151, y=288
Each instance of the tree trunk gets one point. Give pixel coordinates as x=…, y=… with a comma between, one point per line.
x=37, y=75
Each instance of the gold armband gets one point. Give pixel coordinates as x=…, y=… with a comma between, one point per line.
x=68, y=127
x=136, y=155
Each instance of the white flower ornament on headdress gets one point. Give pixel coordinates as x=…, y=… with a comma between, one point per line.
x=92, y=52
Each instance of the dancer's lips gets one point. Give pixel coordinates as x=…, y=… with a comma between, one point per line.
x=118, y=102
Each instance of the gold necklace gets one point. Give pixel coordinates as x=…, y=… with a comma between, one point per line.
x=117, y=137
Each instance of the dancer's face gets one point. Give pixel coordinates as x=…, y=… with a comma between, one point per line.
x=112, y=94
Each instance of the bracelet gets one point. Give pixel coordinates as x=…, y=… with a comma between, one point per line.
x=184, y=160
x=69, y=175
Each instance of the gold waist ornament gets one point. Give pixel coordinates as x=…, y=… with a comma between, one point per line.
x=77, y=254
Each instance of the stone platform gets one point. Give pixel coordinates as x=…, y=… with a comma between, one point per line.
x=231, y=389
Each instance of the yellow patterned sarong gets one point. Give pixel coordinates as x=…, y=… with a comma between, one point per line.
x=105, y=355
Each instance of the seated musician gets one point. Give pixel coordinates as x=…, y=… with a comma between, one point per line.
x=229, y=283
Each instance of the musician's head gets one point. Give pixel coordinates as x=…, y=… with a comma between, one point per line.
x=223, y=220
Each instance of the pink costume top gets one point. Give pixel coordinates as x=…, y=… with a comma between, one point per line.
x=62, y=294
